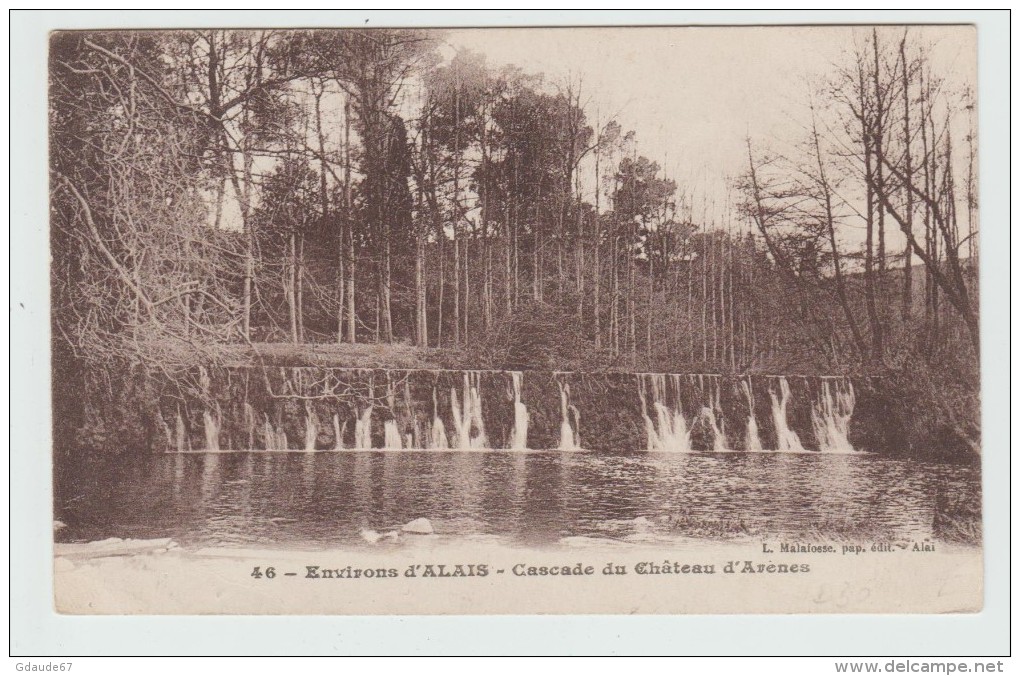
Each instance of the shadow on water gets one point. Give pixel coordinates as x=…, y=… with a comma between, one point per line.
x=320, y=500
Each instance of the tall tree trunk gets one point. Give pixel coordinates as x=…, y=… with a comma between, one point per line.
x=614, y=314
x=650, y=309
x=488, y=282
x=972, y=244
x=467, y=286
x=926, y=173
x=704, y=299
x=508, y=255
x=837, y=266
x=299, y=275
x=249, y=272
x=387, y=285
x=714, y=266
x=730, y=270
x=421, y=323
x=429, y=169
x=484, y=217
x=352, y=336
x=536, y=287
x=324, y=208
x=579, y=253
x=456, y=287
x=753, y=255
x=869, y=235
x=421, y=306
x=515, y=205
x=442, y=289
x=631, y=291
x=456, y=214
x=879, y=143
x=291, y=286
x=690, y=305
x=907, y=301
x=596, y=245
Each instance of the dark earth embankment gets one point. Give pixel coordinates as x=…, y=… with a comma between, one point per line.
x=917, y=413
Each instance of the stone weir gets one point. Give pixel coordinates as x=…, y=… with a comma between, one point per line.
x=321, y=408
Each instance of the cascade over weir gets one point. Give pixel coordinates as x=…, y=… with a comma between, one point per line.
x=323, y=408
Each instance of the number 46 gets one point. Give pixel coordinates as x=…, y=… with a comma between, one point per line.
x=257, y=573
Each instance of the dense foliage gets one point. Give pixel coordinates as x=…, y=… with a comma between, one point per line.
x=221, y=187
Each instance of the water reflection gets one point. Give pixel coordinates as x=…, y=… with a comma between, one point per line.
x=325, y=499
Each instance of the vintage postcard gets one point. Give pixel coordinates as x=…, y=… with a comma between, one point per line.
x=516, y=320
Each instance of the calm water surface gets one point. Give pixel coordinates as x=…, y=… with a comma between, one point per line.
x=320, y=500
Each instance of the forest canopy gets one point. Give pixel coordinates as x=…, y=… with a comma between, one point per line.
x=216, y=187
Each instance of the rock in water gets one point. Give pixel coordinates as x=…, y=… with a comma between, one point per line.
x=642, y=524
x=419, y=527
x=370, y=535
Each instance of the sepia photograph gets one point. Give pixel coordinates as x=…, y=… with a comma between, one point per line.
x=536, y=320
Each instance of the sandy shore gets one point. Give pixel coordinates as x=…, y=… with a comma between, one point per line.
x=433, y=574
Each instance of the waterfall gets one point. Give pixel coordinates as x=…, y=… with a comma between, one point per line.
x=479, y=440
x=568, y=438
x=752, y=440
x=414, y=438
x=437, y=434
x=392, y=440
x=468, y=422
x=668, y=432
x=268, y=434
x=830, y=416
x=171, y=441
x=276, y=439
x=519, y=436
x=250, y=422
x=677, y=412
x=650, y=433
x=391, y=436
x=212, y=429
x=363, y=422
x=463, y=439
x=577, y=424
x=363, y=429
x=786, y=439
x=311, y=430
x=718, y=436
x=708, y=412
x=338, y=433
x=182, y=433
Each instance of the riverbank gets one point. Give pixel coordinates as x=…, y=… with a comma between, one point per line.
x=326, y=396
x=432, y=574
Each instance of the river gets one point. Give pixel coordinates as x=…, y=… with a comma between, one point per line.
x=535, y=499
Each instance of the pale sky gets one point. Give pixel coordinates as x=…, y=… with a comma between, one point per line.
x=692, y=94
